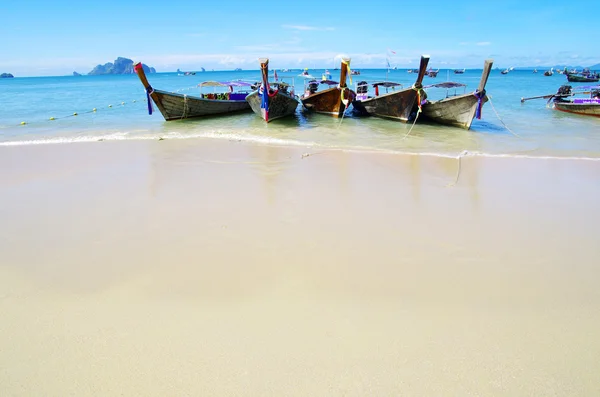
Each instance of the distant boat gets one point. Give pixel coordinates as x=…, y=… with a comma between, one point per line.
x=577, y=78
x=459, y=71
x=178, y=106
x=333, y=100
x=397, y=105
x=271, y=101
x=549, y=72
x=534, y=70
x=355, y=72
x=306, y=75
x=432, y=73
x=586, y=76
x=459, y=110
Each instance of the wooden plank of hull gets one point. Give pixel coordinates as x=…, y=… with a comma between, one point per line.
x=328, y=101
x=458, y=111
x=585, y=109
x=280, y=105
x=399, y=105
x=178, y=106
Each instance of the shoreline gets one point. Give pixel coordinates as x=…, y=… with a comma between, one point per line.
x=283, y=144
x=229, y=268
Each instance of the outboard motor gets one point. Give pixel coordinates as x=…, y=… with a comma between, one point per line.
x=564, y=90
x=362, y=87
x=311, y=88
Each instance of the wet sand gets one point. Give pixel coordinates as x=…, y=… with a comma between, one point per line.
x=224, y=268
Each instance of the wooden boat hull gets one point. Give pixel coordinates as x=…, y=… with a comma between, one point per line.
x=328, y=102
x=280, y=105
x=458, y=111
x=177, y=106
x=399, y=105
x=584, y=109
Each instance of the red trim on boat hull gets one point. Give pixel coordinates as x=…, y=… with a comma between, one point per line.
x=581, y=114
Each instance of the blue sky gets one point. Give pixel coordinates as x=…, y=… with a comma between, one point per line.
x=59, y=37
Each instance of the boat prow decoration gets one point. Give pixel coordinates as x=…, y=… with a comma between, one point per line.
x=332, y=101
x=272, y=100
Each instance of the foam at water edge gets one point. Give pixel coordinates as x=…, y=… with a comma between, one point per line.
x=265, y=140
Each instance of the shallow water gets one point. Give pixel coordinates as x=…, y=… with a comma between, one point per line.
x=507, y=127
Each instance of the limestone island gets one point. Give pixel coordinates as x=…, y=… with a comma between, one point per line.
x=120, y=66
x=76, y=74
x=6, y=76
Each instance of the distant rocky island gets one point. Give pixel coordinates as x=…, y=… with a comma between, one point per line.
x=6, y=76
x=76, y=74
x=120, y=66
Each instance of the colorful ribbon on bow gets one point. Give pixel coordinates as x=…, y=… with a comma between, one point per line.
x=479, y=95
x=419, y=89
x=149, y=91
x=349, y=71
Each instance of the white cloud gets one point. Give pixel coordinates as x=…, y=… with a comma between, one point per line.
x=306, y=27
x=484, y=43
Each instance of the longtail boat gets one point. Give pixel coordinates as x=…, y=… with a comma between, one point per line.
x=175, y=106
x=397, y=105
x=459, y=110
x=271, y=101
x=582, y=77
x=333, y=100
x=583, y=106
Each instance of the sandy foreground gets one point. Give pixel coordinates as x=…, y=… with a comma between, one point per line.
x=188, y=268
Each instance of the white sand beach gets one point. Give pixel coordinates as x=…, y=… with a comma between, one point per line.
x=200, y=267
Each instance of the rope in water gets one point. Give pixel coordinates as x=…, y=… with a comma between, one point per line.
x=94, y=110
x=459, y=157
x=347, y=102
x=413, y=124
x=185, y=107
x=499, y=118
x=419, y=91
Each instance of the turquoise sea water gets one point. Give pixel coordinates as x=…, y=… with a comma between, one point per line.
x=507, y=127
